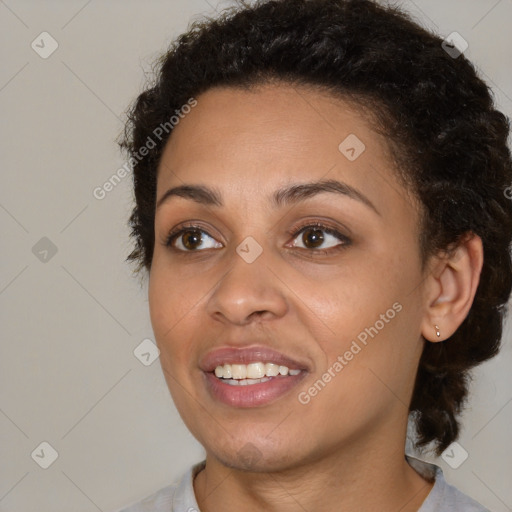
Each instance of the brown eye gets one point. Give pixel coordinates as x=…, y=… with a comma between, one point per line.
x=191, y=239
x=312, y=238
x=320, y=238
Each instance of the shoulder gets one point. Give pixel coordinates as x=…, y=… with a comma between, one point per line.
x=443, y=497
x=177, y=497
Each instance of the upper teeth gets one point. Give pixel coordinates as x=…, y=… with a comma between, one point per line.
x=252, y=371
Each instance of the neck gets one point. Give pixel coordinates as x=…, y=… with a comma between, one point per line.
x=378, y=478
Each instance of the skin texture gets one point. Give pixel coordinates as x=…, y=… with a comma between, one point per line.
x=345, y=448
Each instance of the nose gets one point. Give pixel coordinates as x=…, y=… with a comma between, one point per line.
x=248, y=292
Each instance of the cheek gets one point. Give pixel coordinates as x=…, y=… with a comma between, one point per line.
x=161, y=308
x=369, y=316
x=387, y=349
x=171, y=312
x=172, y=298
x=345, y=302
x=364, y=380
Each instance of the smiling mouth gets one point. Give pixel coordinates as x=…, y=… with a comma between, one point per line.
x=252, y=376
x=251, y=385
x=252, y=373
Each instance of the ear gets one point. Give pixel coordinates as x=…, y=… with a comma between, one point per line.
x=451, y=287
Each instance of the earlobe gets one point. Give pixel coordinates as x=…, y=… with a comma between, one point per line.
x=451, y=289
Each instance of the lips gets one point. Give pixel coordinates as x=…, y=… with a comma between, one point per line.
x=247, y=355
x=258, y=392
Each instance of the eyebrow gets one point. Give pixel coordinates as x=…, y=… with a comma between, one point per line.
x=286, y=195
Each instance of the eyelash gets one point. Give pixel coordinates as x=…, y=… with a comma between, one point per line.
x=344, y=240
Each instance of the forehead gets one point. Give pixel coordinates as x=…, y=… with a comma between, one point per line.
x=261, y=139
x=279, y=118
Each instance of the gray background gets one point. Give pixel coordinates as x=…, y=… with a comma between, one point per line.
x=71, y=321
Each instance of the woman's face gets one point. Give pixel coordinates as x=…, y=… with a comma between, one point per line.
x=278, y=270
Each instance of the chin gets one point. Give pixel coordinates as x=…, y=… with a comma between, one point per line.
x=252, y=460
x=257, y=455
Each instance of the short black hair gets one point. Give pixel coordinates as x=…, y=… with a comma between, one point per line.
x=447, y=138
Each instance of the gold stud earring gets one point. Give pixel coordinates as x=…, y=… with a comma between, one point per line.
x=438, y=333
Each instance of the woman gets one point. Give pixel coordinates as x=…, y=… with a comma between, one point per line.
x=321, y=208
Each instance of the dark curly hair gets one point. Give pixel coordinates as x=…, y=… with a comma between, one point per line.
x=447, y=138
